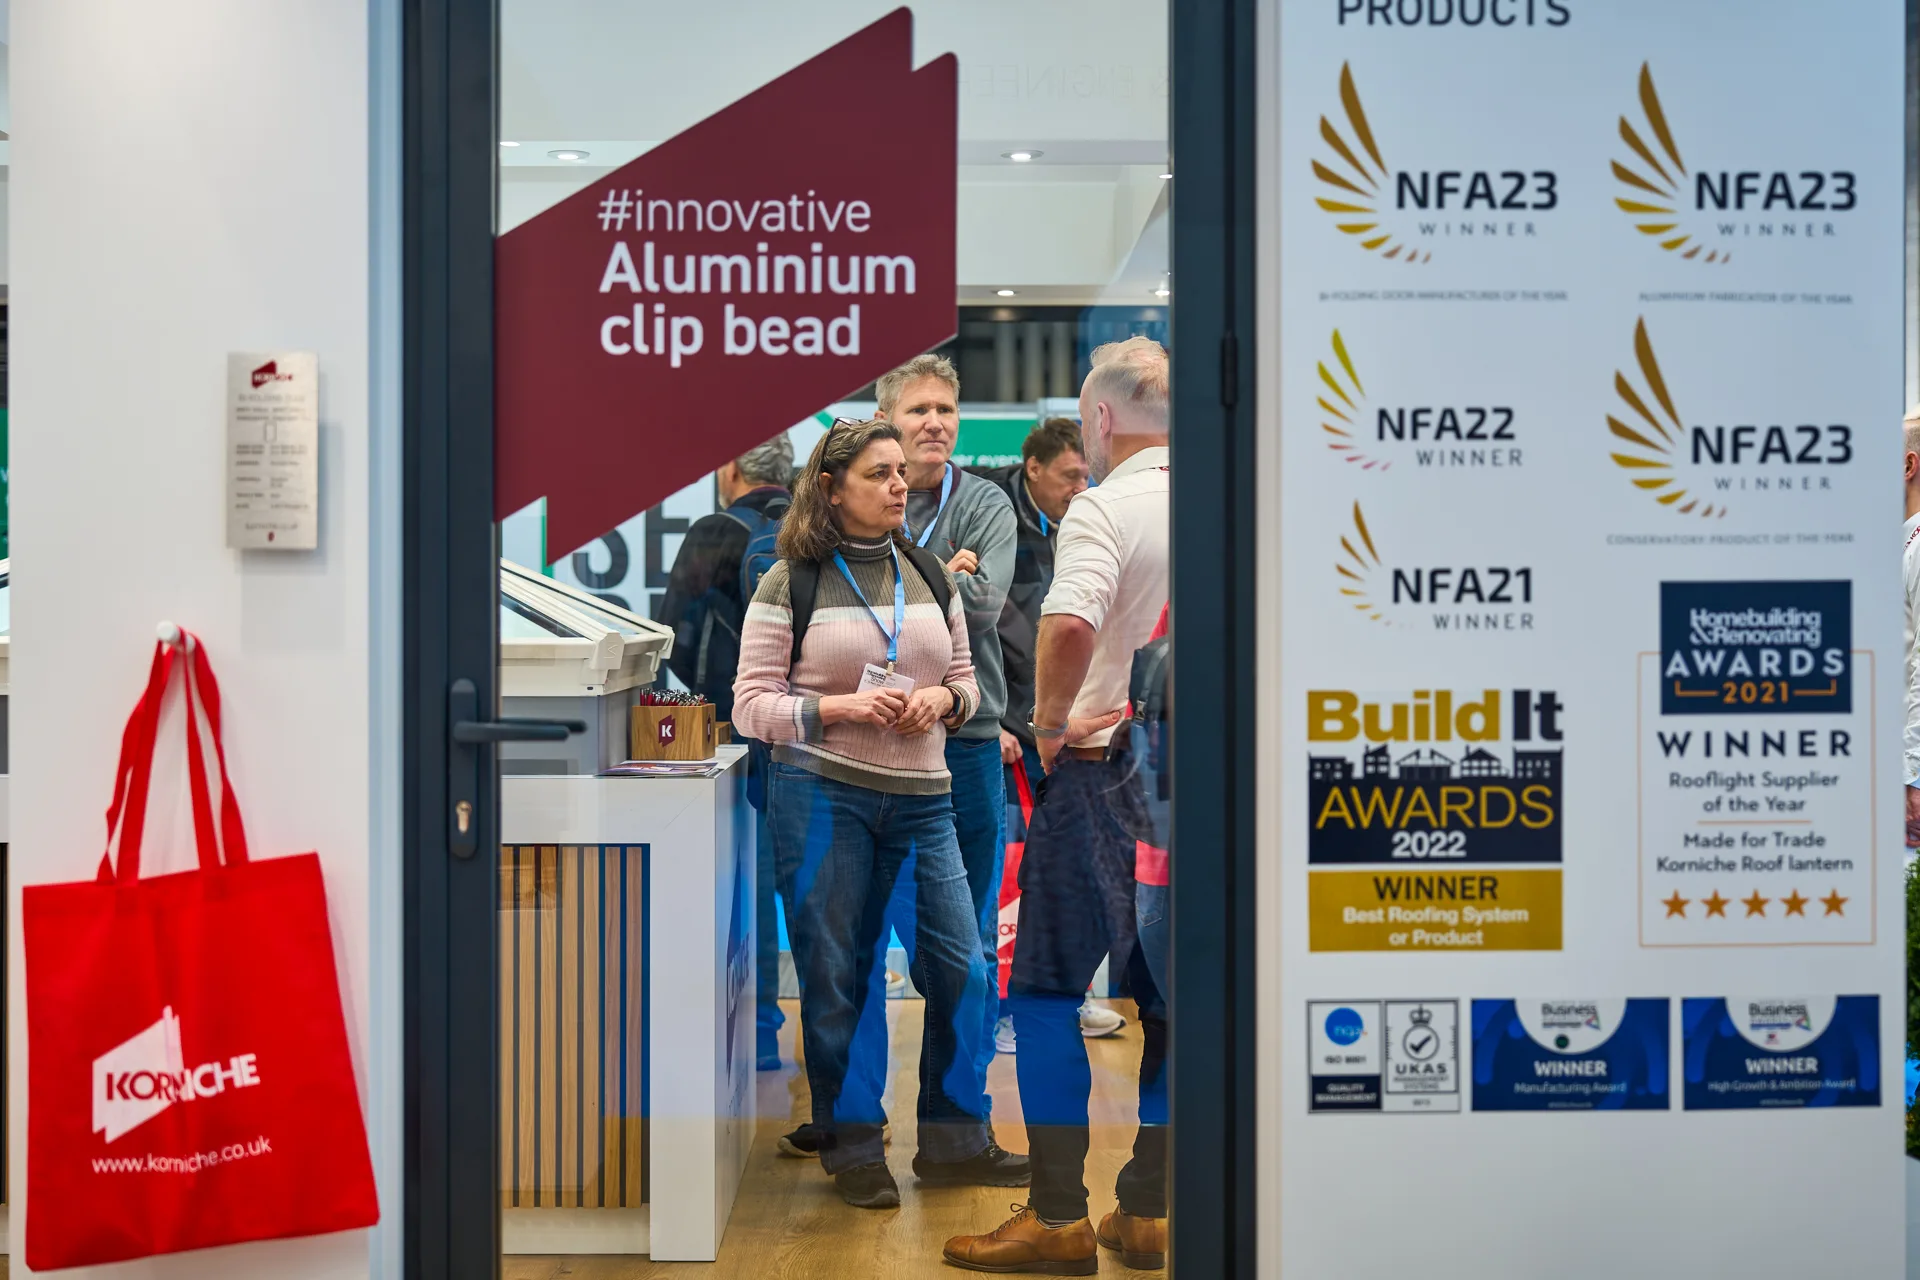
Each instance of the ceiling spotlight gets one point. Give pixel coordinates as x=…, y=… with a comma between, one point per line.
x=1166, y=177
x=1021, y=157
x=505, y=143
x=1163, y=292
x=567, y=153
x=1004, y=293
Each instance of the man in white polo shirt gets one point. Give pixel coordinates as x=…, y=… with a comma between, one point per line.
x=1077, y=886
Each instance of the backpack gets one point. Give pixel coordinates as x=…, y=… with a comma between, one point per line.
x=803, y=583
x=716, y=609
x=763, y=529
x=1145, y=739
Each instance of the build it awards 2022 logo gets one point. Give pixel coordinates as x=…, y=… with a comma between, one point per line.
x=1434, y=819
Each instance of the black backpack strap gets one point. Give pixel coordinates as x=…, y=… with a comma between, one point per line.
x=803, y=583
x=934, y=570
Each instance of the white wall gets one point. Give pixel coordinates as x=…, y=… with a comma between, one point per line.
x=192, y=178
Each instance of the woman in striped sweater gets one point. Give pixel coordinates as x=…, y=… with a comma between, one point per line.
x=857, y=710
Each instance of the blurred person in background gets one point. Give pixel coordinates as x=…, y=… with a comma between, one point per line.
x=855, y=667
x=705, y=604
x=1079, y=877
x=1051, y=472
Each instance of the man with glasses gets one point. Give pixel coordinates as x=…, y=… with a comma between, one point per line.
x=1078, y=879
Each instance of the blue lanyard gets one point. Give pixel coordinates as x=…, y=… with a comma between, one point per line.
x=899, y=604
x=946, y=491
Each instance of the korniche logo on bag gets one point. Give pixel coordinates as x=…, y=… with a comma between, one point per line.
x=1793, y=205
x=1683, y=467
x=1364, y=195
x=138, y=1079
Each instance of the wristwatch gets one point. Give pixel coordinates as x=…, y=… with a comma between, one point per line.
x=1040, y=732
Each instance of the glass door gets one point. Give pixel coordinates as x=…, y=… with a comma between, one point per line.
x=767, y=972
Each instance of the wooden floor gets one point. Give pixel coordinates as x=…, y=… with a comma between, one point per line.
x=788, y=1223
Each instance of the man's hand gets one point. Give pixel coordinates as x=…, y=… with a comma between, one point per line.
x=1913, y=817
x=1009, y=748
x=924, y=706
x=1079, y=728
x=964, y=562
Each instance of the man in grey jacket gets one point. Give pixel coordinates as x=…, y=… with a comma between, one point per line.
x=969, y=523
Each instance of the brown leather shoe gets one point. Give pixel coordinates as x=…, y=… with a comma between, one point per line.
x=1025, y=1244
x=1140, y=1242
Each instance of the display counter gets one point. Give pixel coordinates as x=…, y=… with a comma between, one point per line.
x=626, y=923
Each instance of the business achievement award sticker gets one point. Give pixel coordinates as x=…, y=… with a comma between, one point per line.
x=1756, y=768
x=1570, y=1055
x=1781, y=1051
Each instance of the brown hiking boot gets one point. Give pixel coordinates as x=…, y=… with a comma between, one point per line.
x=1140, y=1242
x=1026, y=1245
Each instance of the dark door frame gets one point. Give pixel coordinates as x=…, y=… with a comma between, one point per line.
x=450, y=589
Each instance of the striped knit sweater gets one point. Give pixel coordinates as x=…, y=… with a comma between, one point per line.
x=782, y=706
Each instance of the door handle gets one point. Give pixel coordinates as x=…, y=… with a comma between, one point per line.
x=511, y=729
x=466, y=732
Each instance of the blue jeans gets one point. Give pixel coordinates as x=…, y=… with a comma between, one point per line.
x=766, y=937
x=979, y=824
x=1080, y=902
x=838, y=852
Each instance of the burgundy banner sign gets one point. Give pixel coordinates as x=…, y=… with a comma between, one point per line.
x=770, y=260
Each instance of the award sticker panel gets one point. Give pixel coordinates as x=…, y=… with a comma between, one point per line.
x=1378, y=1056
x=1781, y=1051
x=1570, y=1055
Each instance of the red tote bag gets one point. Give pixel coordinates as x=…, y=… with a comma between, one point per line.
x=189, y=1080
x=1010, y=876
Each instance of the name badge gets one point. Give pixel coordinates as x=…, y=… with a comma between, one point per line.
x=875, y=676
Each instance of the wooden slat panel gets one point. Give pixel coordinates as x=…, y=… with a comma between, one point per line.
x=572, y=1020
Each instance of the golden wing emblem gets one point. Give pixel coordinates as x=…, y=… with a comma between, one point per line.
x=1646, y=445
x=1343, y=403
x=1355, y=569
x=1351, y=188
x=1656, y=190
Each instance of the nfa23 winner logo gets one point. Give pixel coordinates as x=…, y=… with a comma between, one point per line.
x=1695, y=469
x=1436, y=436
x=1443, y=597
x=1355, y=182
x=1683, y=210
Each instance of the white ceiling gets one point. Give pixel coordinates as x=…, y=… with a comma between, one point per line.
x=1082, y=82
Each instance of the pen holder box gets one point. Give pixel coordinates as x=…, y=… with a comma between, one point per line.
x=674, y=732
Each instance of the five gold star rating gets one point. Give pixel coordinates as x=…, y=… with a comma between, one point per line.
x=1716, y=905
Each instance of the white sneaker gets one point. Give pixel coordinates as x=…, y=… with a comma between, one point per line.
x=1098, y=1022
x=1003, y=1035
x=896, y=985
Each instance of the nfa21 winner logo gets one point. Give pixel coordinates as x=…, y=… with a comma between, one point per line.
x=1682, y=210
x=1695, y=469
x=1443, y=596
x=1376, y=204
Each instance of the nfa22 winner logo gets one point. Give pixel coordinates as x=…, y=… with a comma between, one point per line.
x=1432, y=435
x=1376, y=205
x=1683, y=210
x=1694, y=469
